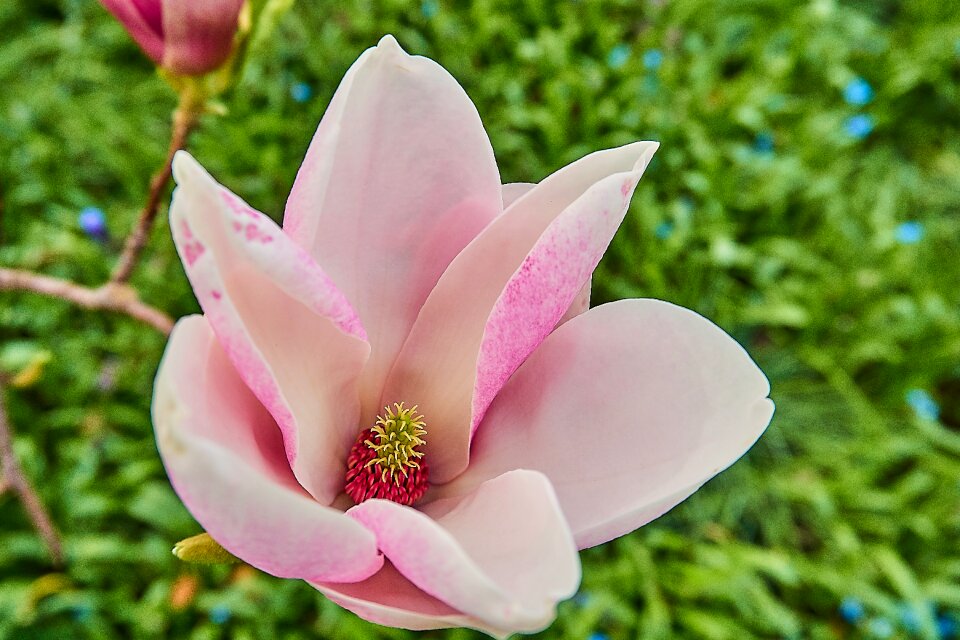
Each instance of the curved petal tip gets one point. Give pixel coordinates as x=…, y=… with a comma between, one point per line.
x=389, y=44
x=184, y=166
x=650, y=147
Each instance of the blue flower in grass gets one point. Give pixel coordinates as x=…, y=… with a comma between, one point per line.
x=429, y=8
x=851, y=610
x=93, y=223
x=858, y=92
x=909, y=618
x=909, y=232
x=652, y=59
x=923, y=404
x=858, y=126
x=618, y=56
x=301, y=92
x=763, y=143
x=946, y=627
x=220, y=614
x=82, y=613
x=663, y=230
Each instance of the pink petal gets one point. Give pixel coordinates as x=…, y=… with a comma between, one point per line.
x=152, y=12
x=139, y=19
x=580, y=304
x=513, y=190
x=628, y=409
x=505, y=292
x=502, y=554
x=398, y=179
x=224, y=456
x=389, y=599
x=511, y=193
x=198, y=35
x=291, y=334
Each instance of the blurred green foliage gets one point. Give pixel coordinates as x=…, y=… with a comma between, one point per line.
x=776, y=207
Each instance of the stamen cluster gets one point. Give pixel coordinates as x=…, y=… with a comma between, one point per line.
x=385, y=461
x=398, y=434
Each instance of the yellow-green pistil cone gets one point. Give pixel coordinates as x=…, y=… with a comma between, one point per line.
x=203, y=549
x=398, y=434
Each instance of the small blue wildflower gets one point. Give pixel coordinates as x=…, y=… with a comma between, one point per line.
x=923, y=404
x=909, y=618
x=663, y=230
x=652, y=59
x=909, y=232
x=582, y=599
x=946, y=627
x=858, y=92
x=851, y=610
x=301, y=91
x=220, y=614
x=618, y=56
x=93, y=223
x=880, y=628
x=429, y=8
x=858, y=126
x=598, y=636
x=763, y=143
x=82, y=613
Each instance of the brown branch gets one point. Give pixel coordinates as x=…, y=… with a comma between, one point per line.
x=119, y=298
x=115, y=294
x=184, y=121
x=16, y=480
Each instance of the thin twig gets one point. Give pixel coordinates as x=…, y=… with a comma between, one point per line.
x=119, y=298
x=115, y=294
x=184, y=121
x=18, y=482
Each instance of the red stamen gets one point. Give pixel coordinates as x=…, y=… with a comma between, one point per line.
x=365, y=482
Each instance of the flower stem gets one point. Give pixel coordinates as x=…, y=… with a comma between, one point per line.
x=185, y=118
x=111, y=296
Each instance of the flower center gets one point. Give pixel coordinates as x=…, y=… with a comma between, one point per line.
x=385, y=461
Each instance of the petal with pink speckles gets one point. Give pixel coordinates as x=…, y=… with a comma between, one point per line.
x=580, y=304
x=398, y=179
x=224, y=455
x=628, y=409
x=506, y=292
x=293, y=337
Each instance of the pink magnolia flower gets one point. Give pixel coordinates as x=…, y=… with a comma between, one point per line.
x=406, y=275
x=188, y=37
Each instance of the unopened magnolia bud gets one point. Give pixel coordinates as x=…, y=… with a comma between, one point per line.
x=186, y=37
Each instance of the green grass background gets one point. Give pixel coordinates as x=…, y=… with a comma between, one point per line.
x=794, y=249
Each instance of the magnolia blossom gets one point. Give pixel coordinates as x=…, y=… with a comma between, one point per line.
x=188, y=37
x=401, y=396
